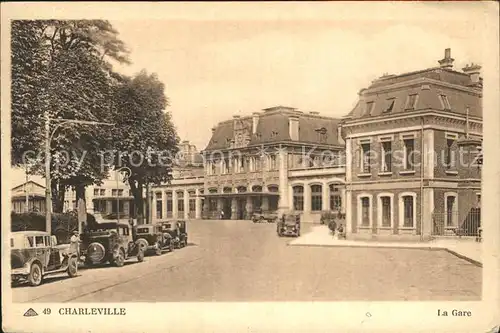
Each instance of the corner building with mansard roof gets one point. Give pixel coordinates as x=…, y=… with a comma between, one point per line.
x=412, y=142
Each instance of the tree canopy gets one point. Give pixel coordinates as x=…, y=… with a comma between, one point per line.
x=64, y=68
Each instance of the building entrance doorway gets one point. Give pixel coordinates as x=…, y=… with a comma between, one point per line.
x=226, y=208
x=240, y=213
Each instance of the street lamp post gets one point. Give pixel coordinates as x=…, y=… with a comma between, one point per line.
x=48, y=138
x=129, y=173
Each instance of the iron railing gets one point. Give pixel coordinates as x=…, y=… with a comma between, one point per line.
x=454, y=223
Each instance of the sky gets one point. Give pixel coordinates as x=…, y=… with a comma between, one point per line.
x=216, y=68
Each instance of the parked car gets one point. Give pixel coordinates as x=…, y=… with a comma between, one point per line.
x=110, y=242
x=35, y=254
x=177, y=230
x=151, y=238
x=288, y=225
x=261, y=217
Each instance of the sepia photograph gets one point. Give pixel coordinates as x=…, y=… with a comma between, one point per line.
x=195, y=160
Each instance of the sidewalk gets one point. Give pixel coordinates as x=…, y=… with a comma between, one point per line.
x=464, y=248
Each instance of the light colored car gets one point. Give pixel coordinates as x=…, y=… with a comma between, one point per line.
x=35, y=254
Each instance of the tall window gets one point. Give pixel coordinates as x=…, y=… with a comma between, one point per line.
x=386, y=156
x=242, y=164
x=411, y=102
x=102, y=192
x=169, y=204
x=365, y=211
x=365, y=158
x=180, y=201
x=408, y=207
x=449, y=153
x=272, y=161
x=257, y=163
x=444, y=102
x=192, y=202
x=316, y=198
x=159, y=206
x=96, y=192
x=409, y=153
x=450, y=210
x=335, y=198
x=386, y=211
x=120, y=193
x=114, y=192
x=298, y=198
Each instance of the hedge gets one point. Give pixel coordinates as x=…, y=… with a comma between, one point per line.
x=63, y=224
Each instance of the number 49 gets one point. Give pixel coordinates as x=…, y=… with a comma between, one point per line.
x=46, y=311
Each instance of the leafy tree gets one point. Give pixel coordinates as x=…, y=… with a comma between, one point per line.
x=77, y=82
x=145, y=140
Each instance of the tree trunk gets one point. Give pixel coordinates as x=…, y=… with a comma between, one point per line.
x=80, y=192
x=136, y=189
x=148, y=205
x=58, y=193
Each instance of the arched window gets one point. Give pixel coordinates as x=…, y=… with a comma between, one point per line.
x=335, y=198
x=227, y=190
x=316, y=198
x=273, y=188
x=256, y=188
x=298, y=197
x=242, y=189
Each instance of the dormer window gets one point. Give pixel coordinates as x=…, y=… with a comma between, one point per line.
x=274, y=134
x=444, y=102
x=390, y=105
x=411, y=102
x=369, y=108
x=321, y=134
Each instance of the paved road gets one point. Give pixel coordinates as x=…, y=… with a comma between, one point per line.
x=242, y=261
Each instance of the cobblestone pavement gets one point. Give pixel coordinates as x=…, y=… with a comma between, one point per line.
x=243, y=261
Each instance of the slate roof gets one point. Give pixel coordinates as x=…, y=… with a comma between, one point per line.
x=273, y=126
x=428, y=94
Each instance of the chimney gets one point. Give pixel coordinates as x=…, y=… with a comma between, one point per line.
x=213, y=130
x=447, y=61
x=293, y=127
x=474, y=71
x=255, y=122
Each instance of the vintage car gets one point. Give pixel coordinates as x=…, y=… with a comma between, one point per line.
x=177, y=230
x=110, y=242
x=263, y=216
x=288, y=225
x=35, y=254
x=152, y=238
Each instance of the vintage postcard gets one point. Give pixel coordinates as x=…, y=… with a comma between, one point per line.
x=250, y=167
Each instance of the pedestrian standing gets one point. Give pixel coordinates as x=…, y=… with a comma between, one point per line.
x=222, y=215
x=75, y=244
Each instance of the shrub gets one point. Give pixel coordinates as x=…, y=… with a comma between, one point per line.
x=63, y=224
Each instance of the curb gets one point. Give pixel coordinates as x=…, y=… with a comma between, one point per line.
x=427, y=248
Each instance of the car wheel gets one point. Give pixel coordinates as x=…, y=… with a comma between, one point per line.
x=35, y=276
x=72, y=266
x=140, y=255
x=120, y=260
